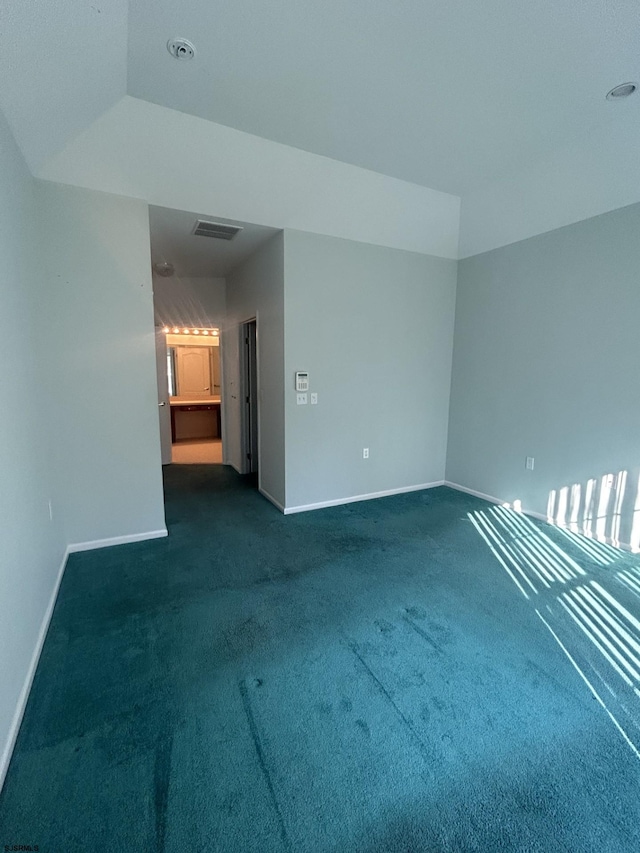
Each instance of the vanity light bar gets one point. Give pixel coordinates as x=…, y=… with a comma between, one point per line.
x=177, y=331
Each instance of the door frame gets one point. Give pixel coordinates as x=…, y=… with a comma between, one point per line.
x=249, y=463
x=164, y=411
x=164, y=406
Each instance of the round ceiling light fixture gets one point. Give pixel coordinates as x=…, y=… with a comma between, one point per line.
x=164, y=269
x=181, y=49
x=621, y=91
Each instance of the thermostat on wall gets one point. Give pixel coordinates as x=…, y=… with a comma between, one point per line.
x=302, y=381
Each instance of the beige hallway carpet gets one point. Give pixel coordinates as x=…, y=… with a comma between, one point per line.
x=197, y=452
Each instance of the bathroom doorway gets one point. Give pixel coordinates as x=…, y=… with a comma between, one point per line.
x=192, y=427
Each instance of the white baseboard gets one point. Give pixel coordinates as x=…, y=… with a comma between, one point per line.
x=117, y=540
x=625, y=546
x=473, y=492
x=368, y=497
x=491, y=499
x=271, y=499
x=26, y=687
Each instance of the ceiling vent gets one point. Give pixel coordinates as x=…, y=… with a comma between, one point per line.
x=216, y=229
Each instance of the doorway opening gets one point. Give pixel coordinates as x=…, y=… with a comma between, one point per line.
x=204, y=283
x=189, y=362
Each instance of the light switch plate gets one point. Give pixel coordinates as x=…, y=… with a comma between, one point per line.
x=301, y=399
x=314, y=399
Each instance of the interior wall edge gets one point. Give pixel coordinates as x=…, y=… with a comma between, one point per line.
x=269, y=497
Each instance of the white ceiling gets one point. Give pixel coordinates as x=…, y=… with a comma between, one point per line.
x=443, y=94
x=499, y=102
x=172, y=241
x=62, y=64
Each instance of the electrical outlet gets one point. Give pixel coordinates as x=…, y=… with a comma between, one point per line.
x=529, y=463
x=365, y=452
x=301, y=399
x=314, y=399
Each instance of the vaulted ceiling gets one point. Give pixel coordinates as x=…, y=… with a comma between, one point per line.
x=443, y=94
x=456, y=96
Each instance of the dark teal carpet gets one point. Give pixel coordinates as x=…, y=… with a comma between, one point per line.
x=364, y=678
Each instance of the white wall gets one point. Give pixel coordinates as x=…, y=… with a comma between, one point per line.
x=374, y=328
x=256, y=289
x=97, y=318
x=191, y=302
x=32, y=546
x=175, y=160
x=546, y=364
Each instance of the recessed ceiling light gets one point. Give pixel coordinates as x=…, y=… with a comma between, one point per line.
x=621, y=91
x=181, y=48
